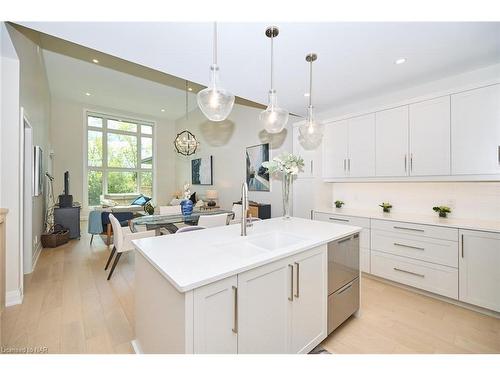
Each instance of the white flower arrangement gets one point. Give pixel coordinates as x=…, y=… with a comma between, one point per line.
x=288, y=164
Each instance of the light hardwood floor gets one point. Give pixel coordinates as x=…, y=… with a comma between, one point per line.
x=70, y=307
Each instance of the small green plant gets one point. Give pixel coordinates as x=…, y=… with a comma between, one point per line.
x=442, y=210
x=339, y=204
x=386, y=206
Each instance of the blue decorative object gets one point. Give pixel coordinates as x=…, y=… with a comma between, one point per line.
x=187, y=207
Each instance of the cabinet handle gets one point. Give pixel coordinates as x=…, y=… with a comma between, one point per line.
x=344, y=240
x=462, y=245
x=345, y=288
x=406, y=170
x=413, y=229
x=298, y=278
x=336, y=219
x=408, y=272
x=409, y=246
x=235, y=314
x=312, y=167
x=344, y=165
x=291, y=282
x=349, y=164
x=411, y=162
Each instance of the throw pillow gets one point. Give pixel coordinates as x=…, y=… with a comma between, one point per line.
x=141, y=200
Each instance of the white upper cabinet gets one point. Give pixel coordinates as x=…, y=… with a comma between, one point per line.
x=391, y=142
x=475, y=131
x=307, y=155
x=335, y=148
x=361, y=159
x=430, y=137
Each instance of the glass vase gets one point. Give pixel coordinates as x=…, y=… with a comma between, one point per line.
x=287, y=182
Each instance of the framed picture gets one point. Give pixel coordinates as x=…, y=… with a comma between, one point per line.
x=257, y=175
x=37, y=171
x=201, y=171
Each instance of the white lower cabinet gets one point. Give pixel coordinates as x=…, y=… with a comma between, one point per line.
x=276, y=308
x=479, y=269
x=215, y=327
x=309, y=301
x=264, y=308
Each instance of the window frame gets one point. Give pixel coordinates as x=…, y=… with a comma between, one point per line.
x=104, y=165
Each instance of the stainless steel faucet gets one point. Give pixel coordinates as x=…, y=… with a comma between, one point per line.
x=244, y=208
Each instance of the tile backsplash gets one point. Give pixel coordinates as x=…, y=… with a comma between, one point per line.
x=475, y=200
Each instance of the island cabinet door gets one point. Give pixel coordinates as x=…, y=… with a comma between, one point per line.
x=215, y=317
x=264, y=305
x=309, y=304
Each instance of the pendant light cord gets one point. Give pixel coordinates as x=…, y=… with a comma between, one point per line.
x=272, y=61
x=310, y=82
x=186, y=99
x=215, y=43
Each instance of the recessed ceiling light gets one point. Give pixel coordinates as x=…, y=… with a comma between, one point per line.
x=190, y=89
x=162, y=110
x=400, y=61
x=95, y=61
x=87, y=93
x=307, y=94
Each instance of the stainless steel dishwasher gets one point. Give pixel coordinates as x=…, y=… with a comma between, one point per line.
x=343, y=280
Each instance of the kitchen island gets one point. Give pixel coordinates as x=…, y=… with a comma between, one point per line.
x=214, y=291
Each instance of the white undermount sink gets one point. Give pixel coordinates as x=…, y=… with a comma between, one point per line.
x=258, y=244
x=275, y=240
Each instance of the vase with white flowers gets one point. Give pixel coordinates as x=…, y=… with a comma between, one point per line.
x=288, y=165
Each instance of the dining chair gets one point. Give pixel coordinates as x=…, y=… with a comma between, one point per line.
x=210, y=221
x=189, y=229
x=122, y=241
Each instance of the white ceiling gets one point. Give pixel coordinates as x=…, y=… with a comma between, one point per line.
x=355, y=60
x=72, y=78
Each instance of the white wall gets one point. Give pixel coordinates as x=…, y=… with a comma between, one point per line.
x=67, y=138
x=479, y=200
x=226, y=142
x=10, y=196
x=35, y=99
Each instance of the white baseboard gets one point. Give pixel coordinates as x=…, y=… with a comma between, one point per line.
x=13, y=297
x=136, y=347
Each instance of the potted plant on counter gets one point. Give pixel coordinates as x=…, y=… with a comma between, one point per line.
x=339, y=204
x=386, y=206
x=442, y=210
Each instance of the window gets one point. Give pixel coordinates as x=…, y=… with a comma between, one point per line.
x=119, y=158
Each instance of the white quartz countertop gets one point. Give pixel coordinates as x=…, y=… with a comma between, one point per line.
x=452, y=222
x=193, y=259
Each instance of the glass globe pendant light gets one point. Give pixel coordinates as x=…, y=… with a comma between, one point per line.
x=215, y=102
x=311, y=131
x=273, y=118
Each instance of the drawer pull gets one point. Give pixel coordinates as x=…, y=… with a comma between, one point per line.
x=408, y=272
x=337, y=219
x=413, y=229
x=409, y=246
x=345, y=288
x=344, y=240
x=290, y=298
